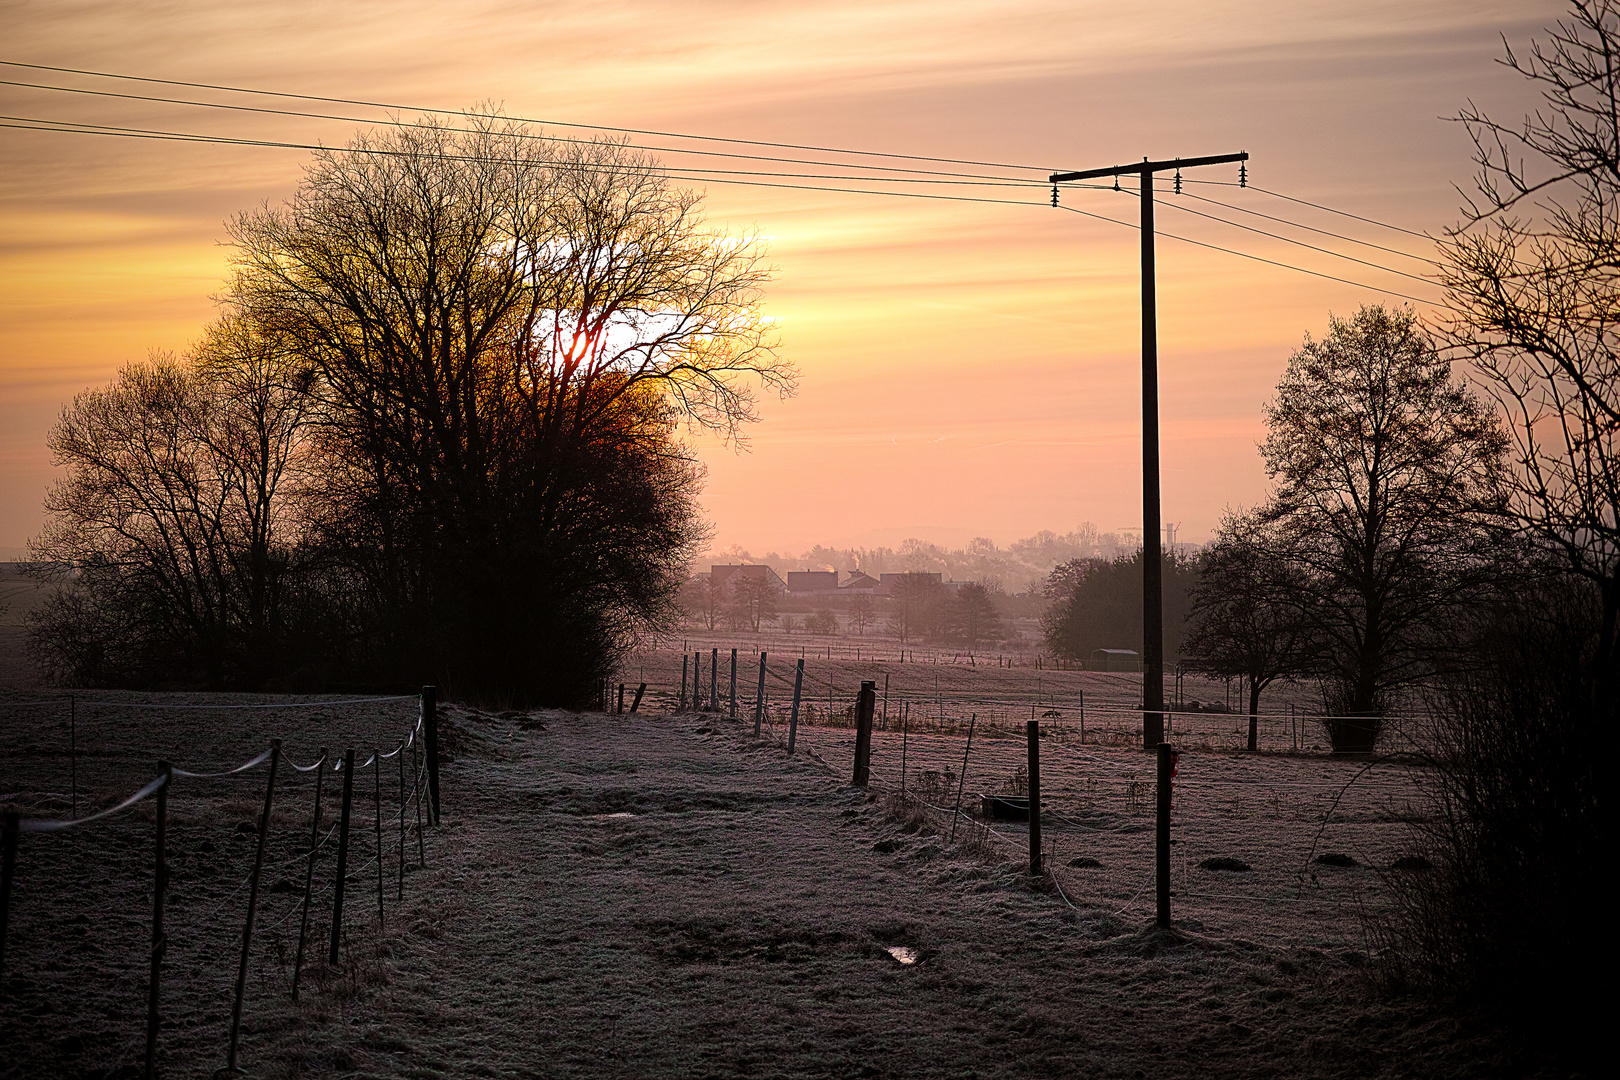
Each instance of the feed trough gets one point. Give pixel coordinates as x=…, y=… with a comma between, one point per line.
x=1005, y=807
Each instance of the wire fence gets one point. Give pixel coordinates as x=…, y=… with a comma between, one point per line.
x=190, y=909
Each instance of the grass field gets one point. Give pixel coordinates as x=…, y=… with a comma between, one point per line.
x=666, y=895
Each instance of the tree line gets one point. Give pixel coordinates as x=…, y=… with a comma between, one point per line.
x=434, y=433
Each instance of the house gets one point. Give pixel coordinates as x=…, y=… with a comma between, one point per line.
x=811, y=582
x=889, y=582
x=860, y=583
x=725, y=575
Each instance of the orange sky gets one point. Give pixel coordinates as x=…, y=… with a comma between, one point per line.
x=967, y=369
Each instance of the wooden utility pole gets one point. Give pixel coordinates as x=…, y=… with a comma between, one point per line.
x=1152, y=572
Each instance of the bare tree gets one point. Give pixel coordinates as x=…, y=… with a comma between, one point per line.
x=1385, y=469
x=1531, y=278
x=862, y=611
x=754, y=598
x=507, y=333
x=1244, y=621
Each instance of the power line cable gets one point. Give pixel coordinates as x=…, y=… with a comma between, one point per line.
x=659, y=134
x=33, y=124
x=1310, y=228
x=1341, y=213
x=1256, y=258
x=1033, y=181
x=521, y=119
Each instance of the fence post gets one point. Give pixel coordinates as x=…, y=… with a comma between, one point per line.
x=376, y=758
x=714, y=680
x=416, y=797
x=619, y=708
x=1032, y=731
x=401, y=754
x=1167, y=770
x=732, y=713
x=73, y=750
x=309, y=869
x=1082, y=718
x=962, y=780
x=905, y=739
x=865, y=706
x=640, y=690
x=253, y=904
x=343, y=853
x=430, y=713
x=160, y=942
x=793, y=718
x=685, y=661
x=886, y=702
x=759, y=700
x=8, y=869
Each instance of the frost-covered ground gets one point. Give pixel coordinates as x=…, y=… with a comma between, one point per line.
x=656, y=895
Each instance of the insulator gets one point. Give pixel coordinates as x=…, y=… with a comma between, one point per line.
x=1054, y=194
x=1243, y=174
x=1178, y=181
x=1116, y=181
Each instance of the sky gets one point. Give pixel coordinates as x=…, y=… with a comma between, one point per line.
x=968, y=369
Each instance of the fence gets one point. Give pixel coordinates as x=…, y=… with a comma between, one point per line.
x=417, y=799
x=1093, y=708
x=1317, y=836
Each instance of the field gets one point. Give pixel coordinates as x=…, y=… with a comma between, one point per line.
x=668, y=895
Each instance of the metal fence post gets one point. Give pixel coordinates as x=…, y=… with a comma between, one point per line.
x=160, y=942
x=1032, y=731
x=309, y=869
x=343, y=854
x=253, y=904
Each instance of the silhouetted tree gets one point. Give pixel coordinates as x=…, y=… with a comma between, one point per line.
x=862, y=610
x=754, y=598
x=973, y=615
x=915, y=602
x=1244, y=622
x=1386, y=470
x=1097, y=604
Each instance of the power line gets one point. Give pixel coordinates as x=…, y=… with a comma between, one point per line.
x=1311, y=228
x=661, y=134
x=530, y=120
x=1256, y=258
x=1287, y=240
x=1341, y=213
x=33, y=124
x=522, y=135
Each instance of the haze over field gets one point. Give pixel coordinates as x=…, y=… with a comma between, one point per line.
x=969, y=369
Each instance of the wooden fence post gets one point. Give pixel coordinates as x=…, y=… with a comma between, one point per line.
x=865, y=706
x=309, y=869
x=1032, y=731
x=714, y=680
x=793, y=719
x=640, y=690
x=685, y=660
x=253, y=904
x=732, y=711
x=160, y=942
x=619, y=708
x=343, y=854
x=759, y=699
x=430, y=713
x=8, y=870
x=1167, y=768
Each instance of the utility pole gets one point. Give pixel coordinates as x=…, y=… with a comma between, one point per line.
x=1152, y=572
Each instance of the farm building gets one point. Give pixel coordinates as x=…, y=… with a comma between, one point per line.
x=727, y=574
x=1115, y=660
x=810, y=582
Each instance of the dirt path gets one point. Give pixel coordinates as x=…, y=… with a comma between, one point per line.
x=667, y=897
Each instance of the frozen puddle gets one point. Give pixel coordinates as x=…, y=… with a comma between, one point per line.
x=903, y=953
